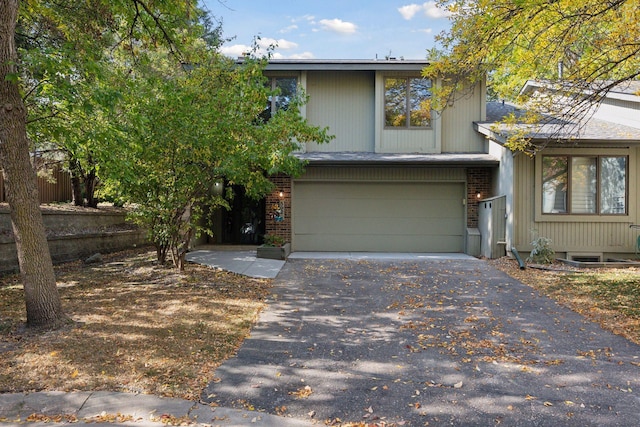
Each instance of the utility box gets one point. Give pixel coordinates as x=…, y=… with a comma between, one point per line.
x=492, y=222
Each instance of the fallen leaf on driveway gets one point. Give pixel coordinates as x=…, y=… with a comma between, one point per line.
x=302, y=393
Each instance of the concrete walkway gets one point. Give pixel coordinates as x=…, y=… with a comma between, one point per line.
x=124, y=409
x=244, y=261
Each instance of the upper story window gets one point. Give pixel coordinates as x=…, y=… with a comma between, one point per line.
x=595, y=185
x=407, y=102
x=285, y=89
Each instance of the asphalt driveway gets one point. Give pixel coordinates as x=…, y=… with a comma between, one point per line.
x=434, y=342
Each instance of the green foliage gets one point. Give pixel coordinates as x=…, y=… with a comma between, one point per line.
x=542, y=253
x=70, y=53
x=273, y=240
x=509, y=41
x=183, y=131
x=137, y=98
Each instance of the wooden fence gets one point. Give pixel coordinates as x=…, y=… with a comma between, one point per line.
x=55, y=188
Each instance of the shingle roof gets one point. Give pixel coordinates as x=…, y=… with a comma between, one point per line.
x=591, y=130
x=360, y=158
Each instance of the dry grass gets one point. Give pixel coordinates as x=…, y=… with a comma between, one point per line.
x=139, y=328
x=608, y=296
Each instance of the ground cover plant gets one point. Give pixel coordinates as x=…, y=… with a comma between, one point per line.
x=138, y=327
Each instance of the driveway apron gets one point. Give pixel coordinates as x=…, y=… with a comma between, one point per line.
x=452, y=342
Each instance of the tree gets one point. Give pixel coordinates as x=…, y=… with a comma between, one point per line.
x=43, y=304
x=186, y=128
x=75, y=40
x=580, y=48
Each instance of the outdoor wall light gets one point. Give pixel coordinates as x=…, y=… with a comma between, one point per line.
x=478, y=195
x=218, y=188
x=281, y=194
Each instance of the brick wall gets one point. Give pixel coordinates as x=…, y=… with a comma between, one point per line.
x=478, y=182
x=279, y=223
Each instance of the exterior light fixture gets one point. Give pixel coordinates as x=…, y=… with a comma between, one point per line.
x=218, y=188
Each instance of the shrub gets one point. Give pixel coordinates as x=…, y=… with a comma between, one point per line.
x=273, y=240
x=542, y=252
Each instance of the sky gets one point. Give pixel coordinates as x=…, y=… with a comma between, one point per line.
x=330, y=29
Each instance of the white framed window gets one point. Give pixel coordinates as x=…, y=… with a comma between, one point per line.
x=407, y=102
x=585, y=184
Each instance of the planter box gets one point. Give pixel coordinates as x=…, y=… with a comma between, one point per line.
x=273, y=252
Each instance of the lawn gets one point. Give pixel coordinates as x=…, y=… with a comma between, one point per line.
x=138, y=328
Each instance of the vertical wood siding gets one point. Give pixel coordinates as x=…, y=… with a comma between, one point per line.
x=619, y=111
x=345, y=102
x=595, y=234
x=458, y=135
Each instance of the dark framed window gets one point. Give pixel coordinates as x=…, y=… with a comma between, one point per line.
x=285, y=89
x=407, y=102
x=591, y=185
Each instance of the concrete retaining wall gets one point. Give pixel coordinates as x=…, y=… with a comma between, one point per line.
x=74, y=247
x=61, y=220
x=74, y=235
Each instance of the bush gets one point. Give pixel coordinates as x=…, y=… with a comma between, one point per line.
x=542, y=252
x=273, y=240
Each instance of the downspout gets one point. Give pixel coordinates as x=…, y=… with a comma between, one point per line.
x=515, y=253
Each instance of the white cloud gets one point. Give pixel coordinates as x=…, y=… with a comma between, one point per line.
x=429, y=9
x=264, y=44
x=425, y=30
x=338, y=26
x=288, y=29
x=409, y=11
x=303, y=55
x=237, y=50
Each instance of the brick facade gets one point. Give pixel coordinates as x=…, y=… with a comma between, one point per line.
x=278, y=210
x=478, y=182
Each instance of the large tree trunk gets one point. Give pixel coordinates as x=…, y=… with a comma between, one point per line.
x=44, y=308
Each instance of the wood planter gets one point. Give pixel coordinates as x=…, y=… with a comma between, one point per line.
x=274, y=252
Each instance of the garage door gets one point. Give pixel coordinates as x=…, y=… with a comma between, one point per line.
x=378, y=217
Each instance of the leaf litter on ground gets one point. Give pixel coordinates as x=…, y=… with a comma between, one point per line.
x=138, y=327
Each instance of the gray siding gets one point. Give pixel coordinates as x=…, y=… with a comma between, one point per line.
x=458, y=134
x=571, y=233
x=345, y=102
x=351, y=104
x=619, y=111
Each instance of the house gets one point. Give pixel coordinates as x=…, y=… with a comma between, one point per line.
x=400, y=177
x=580, y=190
x=397, y=177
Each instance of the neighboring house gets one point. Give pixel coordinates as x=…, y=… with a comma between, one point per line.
x=397, y=177
x=580, y=191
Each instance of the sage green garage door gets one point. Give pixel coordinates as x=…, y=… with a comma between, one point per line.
x=378, y=217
